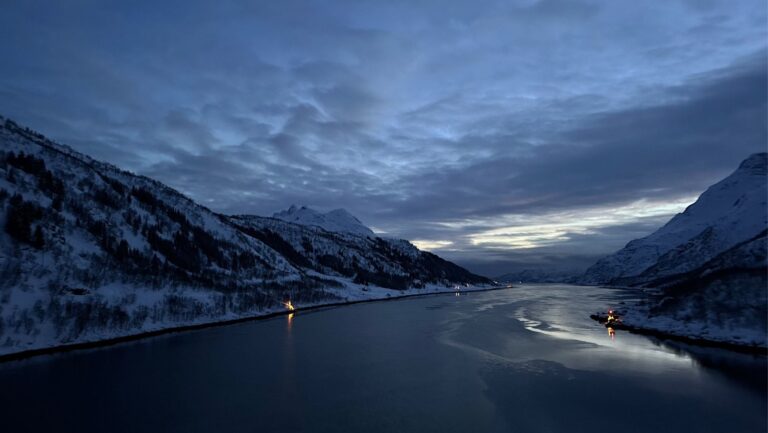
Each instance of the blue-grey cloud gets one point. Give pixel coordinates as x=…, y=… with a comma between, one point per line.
x=436, y=120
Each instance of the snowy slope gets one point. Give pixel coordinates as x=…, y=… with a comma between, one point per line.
x=729, y=212
x=89, y=251
x=708, y=263
x=366, y=260
x=724, y=300
x=338, y=220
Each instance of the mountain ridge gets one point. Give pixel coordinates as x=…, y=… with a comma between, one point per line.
x=727, y=213
x=337, y=220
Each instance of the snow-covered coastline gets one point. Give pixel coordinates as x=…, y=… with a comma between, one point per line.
x=663, y=329
x=639, y=318
x=351, y=295
x=696, y=332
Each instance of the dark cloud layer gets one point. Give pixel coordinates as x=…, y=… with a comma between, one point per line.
x=615, y=157
x=502, y=134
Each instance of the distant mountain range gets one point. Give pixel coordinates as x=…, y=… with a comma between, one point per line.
x=709, y=263
x=538, y=276
x=89, y=251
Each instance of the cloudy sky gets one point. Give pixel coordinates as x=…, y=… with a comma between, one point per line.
x=501, y=134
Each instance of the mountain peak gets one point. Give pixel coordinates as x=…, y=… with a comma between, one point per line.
x=757, y=163
x=337, y=220
x=727, y=213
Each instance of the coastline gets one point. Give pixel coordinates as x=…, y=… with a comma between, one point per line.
x=665, y=335
x=25, y=354
x=668, y=335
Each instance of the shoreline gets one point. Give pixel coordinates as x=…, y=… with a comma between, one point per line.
x=71, y=347
x=663, y=335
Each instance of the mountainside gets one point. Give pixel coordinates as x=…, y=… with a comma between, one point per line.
x=724, y=300
x=384, y=262
x=89, y=251
x=338, y=220
x=731, y=211
x=709, y=264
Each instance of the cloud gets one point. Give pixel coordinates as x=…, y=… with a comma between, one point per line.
x=665, y=151
x=438, y=121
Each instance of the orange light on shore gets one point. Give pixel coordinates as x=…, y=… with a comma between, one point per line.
x=289, y=305
x=612, y=317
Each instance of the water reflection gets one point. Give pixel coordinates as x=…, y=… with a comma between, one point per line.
x=290, y=321
x=612, y=333
x=748, y=370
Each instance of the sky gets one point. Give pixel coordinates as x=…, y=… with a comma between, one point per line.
x=503, y=135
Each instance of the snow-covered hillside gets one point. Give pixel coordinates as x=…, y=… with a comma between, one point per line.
x=338, y=220
x=724, y=300
x=731, y=211
x=390, y=263
x=708, y=263
x=89, y=251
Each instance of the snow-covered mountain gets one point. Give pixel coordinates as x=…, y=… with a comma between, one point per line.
x=89, y=251
x=729, y=212
x=708, y=263
x=389, y=263
x=338, y=220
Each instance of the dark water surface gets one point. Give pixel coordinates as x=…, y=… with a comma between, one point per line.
x=526, y=359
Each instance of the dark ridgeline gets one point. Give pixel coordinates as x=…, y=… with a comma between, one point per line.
x=74, y=226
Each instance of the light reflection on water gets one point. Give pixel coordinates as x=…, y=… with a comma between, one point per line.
x=648, y=368
x=562, y=312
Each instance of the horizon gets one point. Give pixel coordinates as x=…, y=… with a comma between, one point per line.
x=522, y=135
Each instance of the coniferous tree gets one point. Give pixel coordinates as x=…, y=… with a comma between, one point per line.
x=21, y=214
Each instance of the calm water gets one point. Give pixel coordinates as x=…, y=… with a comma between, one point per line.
x=519, y=360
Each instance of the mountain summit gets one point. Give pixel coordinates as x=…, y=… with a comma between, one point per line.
x=338, y=220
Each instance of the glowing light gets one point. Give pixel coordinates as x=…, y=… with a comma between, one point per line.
x=612, y=317
x=289, y=305
x=611, y=333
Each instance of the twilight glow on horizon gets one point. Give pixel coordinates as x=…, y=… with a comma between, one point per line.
x=502, y=135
